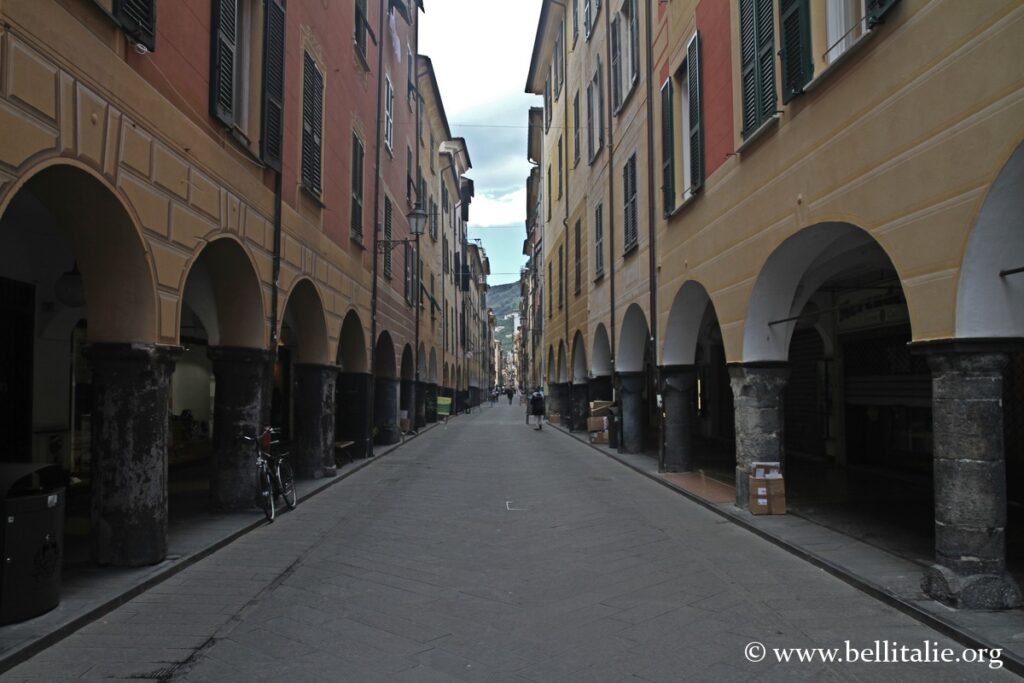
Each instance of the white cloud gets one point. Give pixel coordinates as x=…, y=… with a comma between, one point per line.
x=499, y=209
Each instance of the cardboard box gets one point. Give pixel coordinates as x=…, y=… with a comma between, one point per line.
x=767, y=495
x=404, y=424
x=555, y=419
x=762, y=470
x=599, y=437
x=597, y=424
x=600, y=408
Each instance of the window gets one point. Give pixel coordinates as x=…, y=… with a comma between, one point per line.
x=579, y=260
x=595, y=113
x=688, y=163
x=138, y=19
x=616, y=74
x=599, y=241
x=229, y=63
x=432, y=218
x=561, y=277
x=549, y=191
x=444, y=198
x=312, y=125
x=387, y=236
x=576, y=129
x=575, y=21
x=547, y=105
x=272, y=133
x=360, y=37
x=409, y=262
x=586, y=19
x=629, y=204
x=625, y=45
x=795, y=56
x=757, y=59
x=410, y=184
x=432, y=152
x=358, y=157
x=561, y=167
x=389, y=113
x=551, y=287
x=433, y=306
x=410, y=75
x=444, y=255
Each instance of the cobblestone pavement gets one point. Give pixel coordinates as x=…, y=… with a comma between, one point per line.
x=489, y=551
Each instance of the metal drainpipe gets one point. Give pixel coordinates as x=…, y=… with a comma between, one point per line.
x=565, y=221
x=417, y=286
x=274, y=297
x=611, y=189
x=376, y=230
x=651, y=207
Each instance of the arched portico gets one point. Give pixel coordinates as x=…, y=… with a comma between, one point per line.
x=407, y=389
x=601, y=366
x=352, y=394
x=579, y=390
x=633, y=377
x=386, y=392
x=432, y=388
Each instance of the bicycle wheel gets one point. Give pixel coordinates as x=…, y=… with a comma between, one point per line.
x=287, y=480
x=266, y=495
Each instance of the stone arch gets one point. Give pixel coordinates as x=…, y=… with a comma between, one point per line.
x=632, y=341
x=408, y=365
x=601, y=355
x=222, y=287
x=104, y=241
x=989, y=304
x=445, y=383
x=384, y=367
x=794, y=272
x=304, y=325
x=563, y=372
x=352, y=344
x=686, y=319
x=579, y=359
x=549, y=370
x=421, y=363
x=432, y=367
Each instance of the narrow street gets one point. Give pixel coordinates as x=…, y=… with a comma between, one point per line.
x=489, y=551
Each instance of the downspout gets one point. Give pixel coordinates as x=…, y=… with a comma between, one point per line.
x=274, y=298
x=417, y=286
x=376, y=232
x=565, y=221
x=651, y=204
x=611, y=188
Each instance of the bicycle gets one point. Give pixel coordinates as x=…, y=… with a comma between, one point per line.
x=274, y=475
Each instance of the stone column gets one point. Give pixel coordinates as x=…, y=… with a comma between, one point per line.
x=407, y=399
x=578, y=395
x=131, y=398
x=352, y=411
x=757, y=398
x=677, y=403
x=430, y=409
x=385, y=410
x=420, y=420
x=237, y=409
x=970, y=478
x=632, y=418
x=312, y=455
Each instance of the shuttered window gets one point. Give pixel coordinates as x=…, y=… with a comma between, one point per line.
x=877, y=9
x=387, y=236
x=616, y=70
x=576, y=129
x=312, y=125
x=561, y=167
x=579, y=259
x=575, y=21
x=358, y=157
x=695, y=113
x=138, y=19
x=599, y=240
x=634, y=40
x=551, y=289
x=590, y=121
x=795, y=47
x=561, y=277
x=586, y=19
x=389, y=113
x=408, y=260
x=273, y=83
x=668, y=156
x=757, y=57
x=224, y=32
x=410, y=184
x=360, y=36
x=629, y=203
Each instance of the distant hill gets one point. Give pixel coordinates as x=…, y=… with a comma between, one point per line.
x=504, y=300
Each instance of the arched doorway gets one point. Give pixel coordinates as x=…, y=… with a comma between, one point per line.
x=601, y=366
x=218, y=383
x=579, y=391
x=698, y=406
x=407, y=392
x=304, y=382
x=633, y=367
x=386, y=392
x=83, y=382
x=352, y=413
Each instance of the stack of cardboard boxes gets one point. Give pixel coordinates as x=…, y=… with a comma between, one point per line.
x=597, y=423
x=767, y=489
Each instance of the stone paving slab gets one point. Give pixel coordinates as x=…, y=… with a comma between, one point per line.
x=539, y=562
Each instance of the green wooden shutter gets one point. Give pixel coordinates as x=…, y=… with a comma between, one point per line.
x=223, y=50
x=795, y=38
x=312, y=124
x=876, y=11
x=273, y=83
x=766, y=60
x=748, y=69
x=668, y=157
x=138, y=19
x=696, y=132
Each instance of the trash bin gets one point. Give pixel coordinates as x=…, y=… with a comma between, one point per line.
x=32, y=538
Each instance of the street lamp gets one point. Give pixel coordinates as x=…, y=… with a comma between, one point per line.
x=417, y=220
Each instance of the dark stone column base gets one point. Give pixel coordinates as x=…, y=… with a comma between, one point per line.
x=631, y=411
x=975, y=591
x=430, y=407
x=757, y=396
x=313, y=453
x=420, y=419
x=237, y=408
x=385, y=411
x=352, y=411
x=131, y=392
x=407, y=399
x=578, y=396
x=677, y=390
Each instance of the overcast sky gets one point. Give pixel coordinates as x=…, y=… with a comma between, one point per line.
x=481, y=54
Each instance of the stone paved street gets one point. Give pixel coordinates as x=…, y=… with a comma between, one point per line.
x=488, y=551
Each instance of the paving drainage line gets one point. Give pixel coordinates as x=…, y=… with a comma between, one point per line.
x=1011, y=661
x=16, y=656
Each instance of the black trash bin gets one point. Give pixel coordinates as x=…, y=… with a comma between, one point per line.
x=32, y=538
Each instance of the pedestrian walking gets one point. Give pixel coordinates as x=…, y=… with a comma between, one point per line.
x=537, y=407
x=510, y=392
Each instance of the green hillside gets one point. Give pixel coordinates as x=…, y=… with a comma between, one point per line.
x=504, y=300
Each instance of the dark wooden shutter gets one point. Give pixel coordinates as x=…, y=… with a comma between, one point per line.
x=312, y=124
x=357, y=187
x=223, y=51
x=634, y=40
x=757, y=59
x=696, y=132
x=766, y=59
x=273, y=83
x=616, y=72
x=138, y=19
x=586, y=19
x=387, y=237
x=748, y=68
x=668, y=146
x=795, y=48
x=876, y=11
